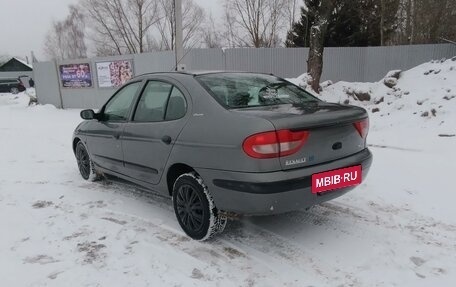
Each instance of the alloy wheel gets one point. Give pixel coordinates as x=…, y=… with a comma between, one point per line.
x=190, y=208
x=83, y=160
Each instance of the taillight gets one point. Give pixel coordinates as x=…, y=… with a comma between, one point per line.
x=274, y=144
x=362, y=127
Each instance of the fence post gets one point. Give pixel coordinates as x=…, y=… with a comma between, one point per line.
x=58, y=83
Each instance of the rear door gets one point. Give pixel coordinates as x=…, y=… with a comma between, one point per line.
x=148, y=138
x=103, y=136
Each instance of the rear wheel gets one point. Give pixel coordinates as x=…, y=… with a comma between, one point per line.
x=194, y=208
x=85, y=164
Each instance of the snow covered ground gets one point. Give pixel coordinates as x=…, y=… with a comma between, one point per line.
x=397, y=229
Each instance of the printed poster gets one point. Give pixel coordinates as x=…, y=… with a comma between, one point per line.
x=114, y=74
x=76, y=75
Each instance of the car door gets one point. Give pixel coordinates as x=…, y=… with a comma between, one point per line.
x=103, y=136
x=148, y=138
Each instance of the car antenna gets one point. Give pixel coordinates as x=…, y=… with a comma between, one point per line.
x=178, y=62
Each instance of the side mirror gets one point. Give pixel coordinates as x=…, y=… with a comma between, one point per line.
x=88, y=114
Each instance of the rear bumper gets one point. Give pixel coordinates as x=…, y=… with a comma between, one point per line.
x=275, y=192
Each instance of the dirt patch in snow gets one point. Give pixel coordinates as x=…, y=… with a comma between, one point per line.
x=42, y=204
x=40, y=259
x=92, y=251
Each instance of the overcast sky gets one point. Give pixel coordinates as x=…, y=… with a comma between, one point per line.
x=24, y=23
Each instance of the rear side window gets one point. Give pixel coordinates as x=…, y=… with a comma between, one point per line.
x=242, y=90
x=177, y=106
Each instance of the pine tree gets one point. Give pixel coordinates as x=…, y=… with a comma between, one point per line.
x=351, y=23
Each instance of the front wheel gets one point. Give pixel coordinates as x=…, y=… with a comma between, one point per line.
x=194, y=208
x=85, y=164
x=14, y=91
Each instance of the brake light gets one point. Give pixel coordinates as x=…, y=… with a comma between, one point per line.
x=362, y=127
x=274, y=144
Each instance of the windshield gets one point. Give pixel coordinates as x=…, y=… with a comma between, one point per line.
x=242, y=90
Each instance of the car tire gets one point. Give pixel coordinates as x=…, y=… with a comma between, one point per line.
x=14, y=91
x=85, y=164
x=195, y=209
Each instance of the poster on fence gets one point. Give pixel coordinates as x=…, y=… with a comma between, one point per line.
x=76, y=75
x=114, y=74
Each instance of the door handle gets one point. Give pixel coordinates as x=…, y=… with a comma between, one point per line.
x=166, y=139
x=116, y=136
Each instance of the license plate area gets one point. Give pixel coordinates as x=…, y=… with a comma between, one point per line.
x=338, y=178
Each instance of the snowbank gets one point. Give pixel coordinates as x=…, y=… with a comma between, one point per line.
x=422, y=97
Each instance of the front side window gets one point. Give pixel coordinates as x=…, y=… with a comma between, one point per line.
x=118, y=107
x=241, y=90
x=152, y=105
x=160, y=101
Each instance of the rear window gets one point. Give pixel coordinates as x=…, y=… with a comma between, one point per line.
x=242, y=90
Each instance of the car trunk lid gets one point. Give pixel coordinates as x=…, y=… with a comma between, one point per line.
x=332, y=133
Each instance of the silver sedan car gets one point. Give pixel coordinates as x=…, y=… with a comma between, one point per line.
x=224, y=143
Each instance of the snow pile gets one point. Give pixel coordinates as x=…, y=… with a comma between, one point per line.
x=423, y=97
x=302, y=81
x=26, y=98
x=427, y=91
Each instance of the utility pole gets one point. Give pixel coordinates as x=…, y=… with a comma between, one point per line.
x=178, y=45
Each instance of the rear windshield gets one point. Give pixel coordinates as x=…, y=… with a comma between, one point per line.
x=242, y=90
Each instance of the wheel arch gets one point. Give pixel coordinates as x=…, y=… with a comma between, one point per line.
x=76, y=140
x=174, y=171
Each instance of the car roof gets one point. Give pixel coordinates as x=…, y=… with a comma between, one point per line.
x=197, y=73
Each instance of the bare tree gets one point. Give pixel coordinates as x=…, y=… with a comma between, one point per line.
x=193, y=17
x=66, y=39
x=291, y=12
x=321, y=13
x=121, y=26
x=256, y=23
x=211, y=36
x=425, y=21
x=229, y=33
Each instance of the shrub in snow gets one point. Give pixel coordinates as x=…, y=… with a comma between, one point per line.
x=393, y=74
x=326, y=84
x=375, y=110
x=358, y=94
x=390, y=82
x=379, y=100
x=31, y=93
x=303, y=80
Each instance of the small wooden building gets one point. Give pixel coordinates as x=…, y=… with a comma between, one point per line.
x=16, y=65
